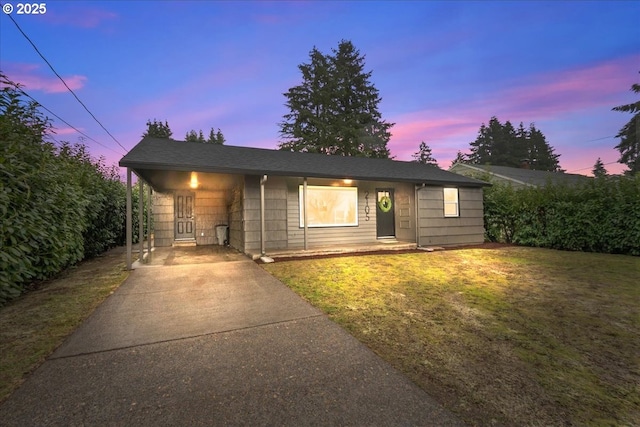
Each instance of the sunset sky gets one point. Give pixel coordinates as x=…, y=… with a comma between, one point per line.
x=442, y=68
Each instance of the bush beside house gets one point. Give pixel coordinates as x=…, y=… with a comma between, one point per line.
x=601, y=215
x=58, y=205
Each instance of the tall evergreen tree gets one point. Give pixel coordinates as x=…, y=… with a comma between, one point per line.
x=460, y=158
x=424, y=156
x=629, y=146
x=219, y=139
x=335, y=108
x=157, y=129
x=599, y=170
x=193, y=136
x=503, y=145
x=214, y=138
x=541, y=155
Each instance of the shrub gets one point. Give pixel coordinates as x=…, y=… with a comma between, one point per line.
x=602, y=215
x=58, y=205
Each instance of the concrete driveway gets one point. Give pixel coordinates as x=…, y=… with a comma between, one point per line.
x=215, y=343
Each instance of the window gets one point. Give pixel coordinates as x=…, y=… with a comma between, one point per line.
x=329, y=206
x=451, y=205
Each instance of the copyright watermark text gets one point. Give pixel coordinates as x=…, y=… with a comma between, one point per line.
x=25, y=8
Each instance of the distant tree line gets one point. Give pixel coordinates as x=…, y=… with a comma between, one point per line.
x=158, y=129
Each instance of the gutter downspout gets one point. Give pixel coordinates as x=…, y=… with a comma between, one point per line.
x=304, y=198
x=263, y=238
x=263, y=232
x=417, y=188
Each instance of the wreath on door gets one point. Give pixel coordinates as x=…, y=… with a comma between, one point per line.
x=385, y=204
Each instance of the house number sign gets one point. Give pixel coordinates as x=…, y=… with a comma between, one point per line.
x=366, y=206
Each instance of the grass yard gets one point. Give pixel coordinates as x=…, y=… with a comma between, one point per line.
x=35, y=324
x=509, y=336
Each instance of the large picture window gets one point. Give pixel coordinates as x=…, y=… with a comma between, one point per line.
x=451, y=204
x=329, y=206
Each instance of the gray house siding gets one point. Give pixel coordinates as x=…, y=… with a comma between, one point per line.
x=365, y=231
x=163, y=220
x=236, y=212
x=210, y=210
x=436, y=229
x=275, y=195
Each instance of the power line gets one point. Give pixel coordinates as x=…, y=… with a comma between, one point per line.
x=65, y=83
x=591, y=167
x=67, y=123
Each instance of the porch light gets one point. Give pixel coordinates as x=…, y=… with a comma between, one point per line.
x=194, y=180
x=347, y=181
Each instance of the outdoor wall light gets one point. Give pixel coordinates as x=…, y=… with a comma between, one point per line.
x=347, y=181
x=194, y=180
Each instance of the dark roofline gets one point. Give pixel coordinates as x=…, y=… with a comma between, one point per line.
x=153, y=154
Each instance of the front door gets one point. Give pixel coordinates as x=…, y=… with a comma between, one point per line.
x=184, y=215
x=385, y=220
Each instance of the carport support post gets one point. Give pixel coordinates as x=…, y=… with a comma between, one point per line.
x=149, y=220
x=304, y=200
x=128, y=220
x=141, y=217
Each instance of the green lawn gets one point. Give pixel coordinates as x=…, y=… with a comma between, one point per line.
x=510, y=336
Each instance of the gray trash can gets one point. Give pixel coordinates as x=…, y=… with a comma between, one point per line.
x=222, y=234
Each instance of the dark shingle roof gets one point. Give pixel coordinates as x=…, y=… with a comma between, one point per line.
x=527, y=176
x=166, y=154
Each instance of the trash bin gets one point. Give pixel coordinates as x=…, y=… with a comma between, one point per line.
x=222, y=235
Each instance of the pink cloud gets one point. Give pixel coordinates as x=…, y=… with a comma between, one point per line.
x=551, y=100
x=555, y=93
x=66, y=131
x=30, y=76
x=81, y=17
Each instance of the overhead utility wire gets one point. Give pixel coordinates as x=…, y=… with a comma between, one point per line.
x=67, y=123
x=591, y=167
x=65, y=83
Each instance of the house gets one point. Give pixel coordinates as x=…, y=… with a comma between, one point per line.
x=279, y=200
x=517, y=177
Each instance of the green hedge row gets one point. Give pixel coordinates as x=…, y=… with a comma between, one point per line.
x=602, y=215
x=57, y=204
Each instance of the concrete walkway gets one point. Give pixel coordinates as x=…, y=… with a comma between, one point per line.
x=215, y=343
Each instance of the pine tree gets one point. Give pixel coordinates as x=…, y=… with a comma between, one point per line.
x=598, y=169
x=503, y=145
x=424, y=156
x=191, y=136
x=219, y=139
x=460, y=158
x=541, y=154
x=157, y=129
x=629, y=146
x=335, y=109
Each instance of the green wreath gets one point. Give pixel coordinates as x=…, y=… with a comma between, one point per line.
x=385, y=204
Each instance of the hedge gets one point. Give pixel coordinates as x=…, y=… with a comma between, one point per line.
x=602, y=215
x=58, y=204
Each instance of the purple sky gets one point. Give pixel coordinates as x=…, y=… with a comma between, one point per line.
x=442, y=68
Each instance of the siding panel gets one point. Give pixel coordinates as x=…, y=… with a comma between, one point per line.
x=162, y=219
x=435, y=229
